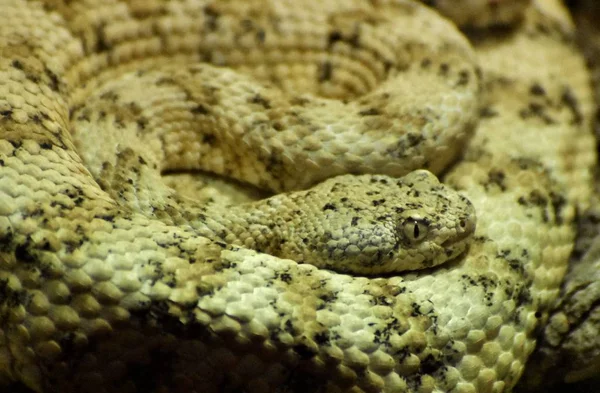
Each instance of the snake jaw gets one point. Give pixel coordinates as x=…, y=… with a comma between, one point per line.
x=456, y=247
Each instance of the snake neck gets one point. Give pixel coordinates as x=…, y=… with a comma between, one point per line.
x=254, y=226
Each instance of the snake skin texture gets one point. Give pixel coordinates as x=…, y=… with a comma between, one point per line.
x=344, y=113
x=567, y=357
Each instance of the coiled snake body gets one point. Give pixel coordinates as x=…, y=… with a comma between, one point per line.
x=112, y=281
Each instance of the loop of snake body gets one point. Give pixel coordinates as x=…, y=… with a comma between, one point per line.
x=112, y=281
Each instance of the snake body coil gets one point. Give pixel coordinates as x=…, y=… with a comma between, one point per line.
x=112, y=281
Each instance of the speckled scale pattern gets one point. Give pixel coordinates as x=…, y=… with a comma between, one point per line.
x=107, y=284
x=383, y=128
x=369, y=225
x=568, y=352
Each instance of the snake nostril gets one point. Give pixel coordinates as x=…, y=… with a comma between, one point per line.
x=464, y=230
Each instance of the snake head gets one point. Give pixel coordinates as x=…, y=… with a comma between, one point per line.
x=374, y=224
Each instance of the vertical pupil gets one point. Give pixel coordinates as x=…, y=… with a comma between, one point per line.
x=416, y=231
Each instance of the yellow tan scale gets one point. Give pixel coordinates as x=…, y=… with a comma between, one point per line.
x=115, y=280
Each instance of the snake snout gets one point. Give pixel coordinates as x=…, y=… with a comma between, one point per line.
x=464, y=229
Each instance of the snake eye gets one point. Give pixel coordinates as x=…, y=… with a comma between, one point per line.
x=415, y=229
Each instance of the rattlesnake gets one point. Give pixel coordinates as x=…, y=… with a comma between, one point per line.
x=111, y=281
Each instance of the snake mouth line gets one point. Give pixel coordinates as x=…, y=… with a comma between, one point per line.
x=457, y=248
x=458, y=245
x=456, y=240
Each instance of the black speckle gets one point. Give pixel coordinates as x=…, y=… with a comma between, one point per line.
x=105, y=217
x=537, y=198
x=558, y=204
x=212, y=18
x=334, y=37
x=142, y=123
x=537, y=90
x=285, y=277
x=200, y=110
x=326, y=71
x=444, y=68
x=378, y=202
x=10, y=297
x=15, y=144
x=569, y=99
x=463, y=78
x=524, y=297
x=322, y=338
x=416, y=310
x=497, y=178
x=54, y=81
x=535, y=109
x=430, y=364
x=209, y=139
x=23, y=255
x=17, y=64
x=119, y=122
x=260, y=36
x=101, y=44
x=300, y=101
x=369, y=112
x=260, y=100
x=329, y=206
x=387, y=66
x=487, y=112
